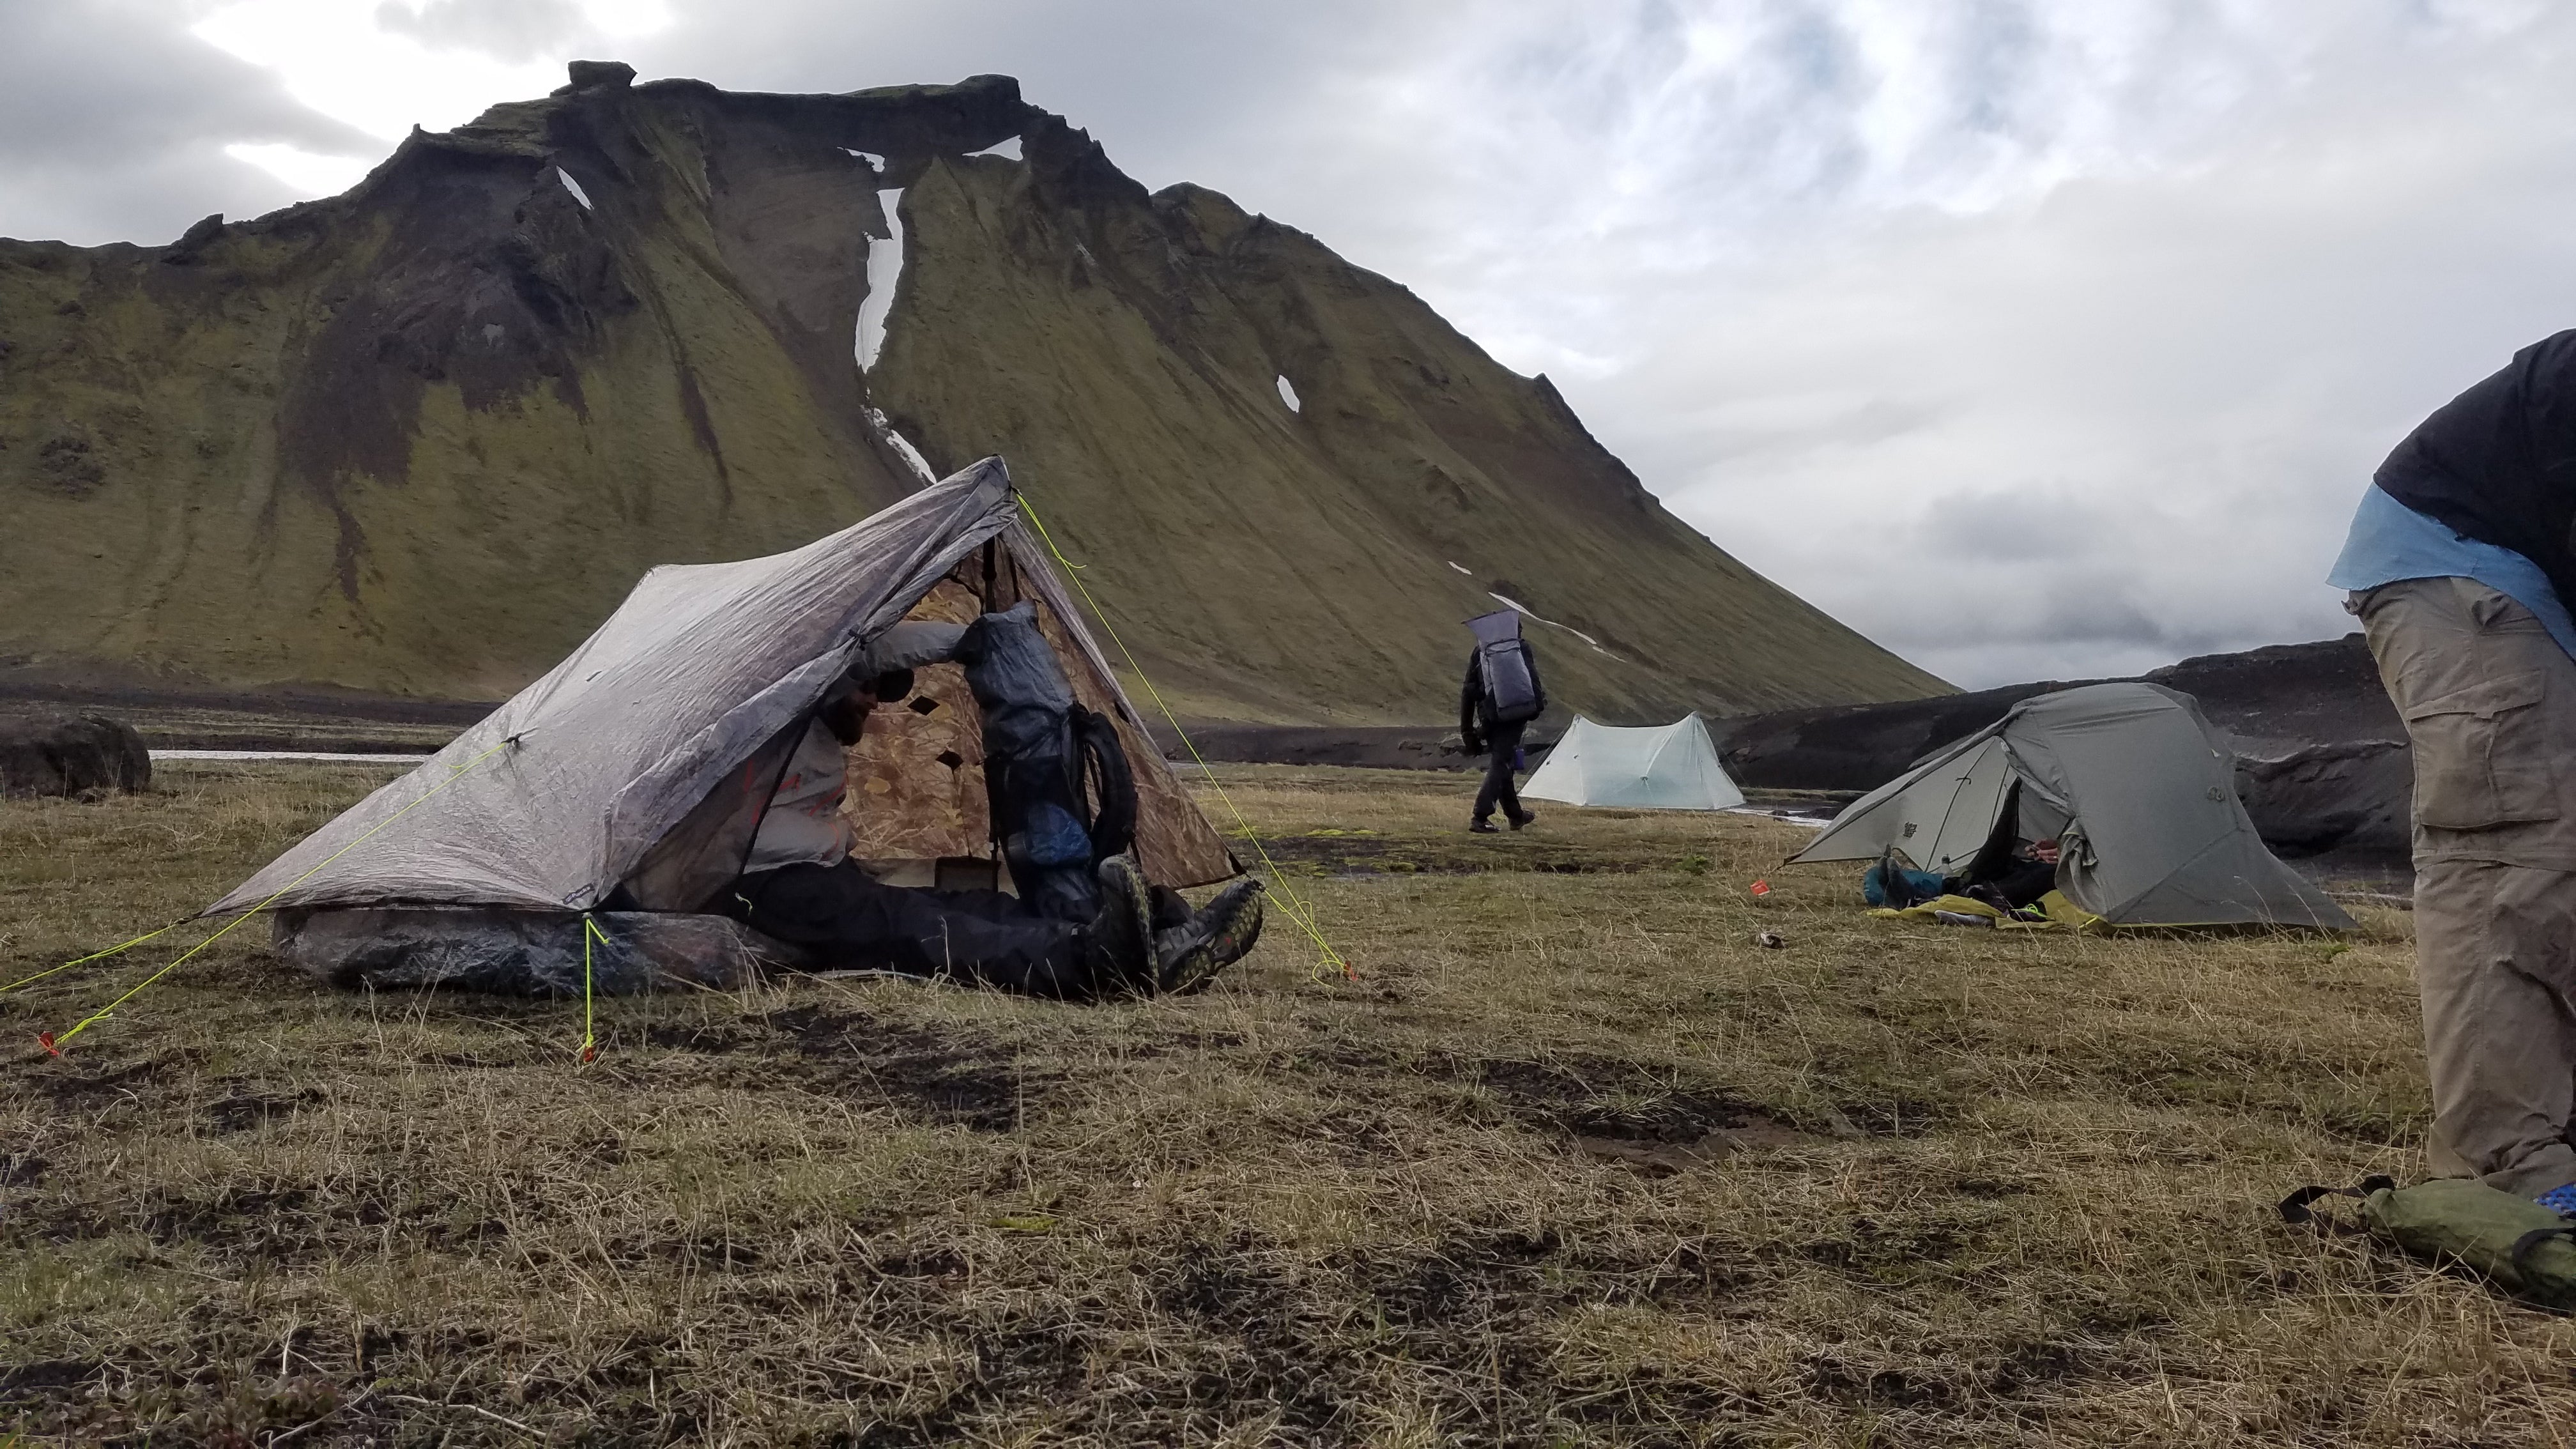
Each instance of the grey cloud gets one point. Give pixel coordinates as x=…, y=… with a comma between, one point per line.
x=1738, y=439
x=2039, y=521
x=2031, y=339
x=113, y=121
x=506, y=29
x=2168, y=384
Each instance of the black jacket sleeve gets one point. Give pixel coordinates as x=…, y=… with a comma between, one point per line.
x=2498, y=462
x=1471, y=695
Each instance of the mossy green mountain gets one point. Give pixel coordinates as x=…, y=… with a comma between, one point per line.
x=418, y=439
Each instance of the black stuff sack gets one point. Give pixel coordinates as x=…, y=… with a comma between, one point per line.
x=1042, y=753
x=2515, y=1243
x=1503, y=663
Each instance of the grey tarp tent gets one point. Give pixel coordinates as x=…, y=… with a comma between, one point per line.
x=1654, y=767
x=2136, y=785
x=629, y=779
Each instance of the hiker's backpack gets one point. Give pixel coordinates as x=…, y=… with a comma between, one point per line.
x=1043, y=754
x=2511, y=1241
x=1110, y=782
x=1511, y=685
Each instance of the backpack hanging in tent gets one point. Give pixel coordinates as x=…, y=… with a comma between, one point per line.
x=1039, y=746
x=1503, y=659
x=1113, y=824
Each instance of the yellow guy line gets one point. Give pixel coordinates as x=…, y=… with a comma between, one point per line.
x=589, y=931
x=1298, y=911
x=54, y=1044
x=93, y=956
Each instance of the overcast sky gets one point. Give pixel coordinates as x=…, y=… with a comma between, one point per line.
x=2034, y=338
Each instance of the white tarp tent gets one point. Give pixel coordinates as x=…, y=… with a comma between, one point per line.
x=631, y=770
x=1658, y=767
x=609, y=803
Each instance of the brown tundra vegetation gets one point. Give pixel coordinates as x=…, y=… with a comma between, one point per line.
x=1573, y=1160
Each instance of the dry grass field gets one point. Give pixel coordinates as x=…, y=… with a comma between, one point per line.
x=1573, y=1161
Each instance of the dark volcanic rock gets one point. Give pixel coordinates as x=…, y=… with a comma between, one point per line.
x=2321, y=756
x=586, y=74
x=194, y=240
x=2345, y=797
x=1386, y=747
x=1858, y=746
x=52, y=755
x=2329, y=690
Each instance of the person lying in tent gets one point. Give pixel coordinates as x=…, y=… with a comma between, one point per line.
x=2012, y=885
x=2025, y=873
x=800, y=886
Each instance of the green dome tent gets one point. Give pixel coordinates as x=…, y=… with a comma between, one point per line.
x=2136, y=786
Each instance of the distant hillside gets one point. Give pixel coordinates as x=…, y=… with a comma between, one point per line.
x=418, y=439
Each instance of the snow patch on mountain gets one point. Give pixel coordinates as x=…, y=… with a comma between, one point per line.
x=885, y=268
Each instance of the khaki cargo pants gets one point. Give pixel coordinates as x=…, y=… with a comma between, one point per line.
x=2489, y=700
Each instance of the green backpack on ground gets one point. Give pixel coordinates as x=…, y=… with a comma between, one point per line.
x=2515, y=1243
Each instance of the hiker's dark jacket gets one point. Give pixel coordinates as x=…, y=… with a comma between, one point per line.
x=2498, y=462
x=1476, y=711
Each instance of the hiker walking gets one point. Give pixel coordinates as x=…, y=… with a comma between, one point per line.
x=1502, y=695
x=2460, y=565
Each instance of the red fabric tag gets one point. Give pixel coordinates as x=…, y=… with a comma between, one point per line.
x=1761, y=888
x=45, y=1039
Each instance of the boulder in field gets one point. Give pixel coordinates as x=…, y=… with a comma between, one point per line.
x=71, y=755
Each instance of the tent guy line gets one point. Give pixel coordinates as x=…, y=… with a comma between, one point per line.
x=96, y=955
x=54, y=1044
x=1296, y=906
x=590, y=932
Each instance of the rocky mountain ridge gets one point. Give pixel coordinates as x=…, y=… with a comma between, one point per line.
x=415, y=440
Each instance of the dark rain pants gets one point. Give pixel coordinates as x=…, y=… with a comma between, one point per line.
x=2022, y=882
x=853, y=922
x=1499, y=788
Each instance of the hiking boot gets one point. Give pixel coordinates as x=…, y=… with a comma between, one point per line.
x=1188, y=956
x=1482, y=827
x=1171, y=908
x=1122, y=935
x=1525, y=820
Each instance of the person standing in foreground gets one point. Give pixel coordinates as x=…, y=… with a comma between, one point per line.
x=2459, y=565
x=1502, y=695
